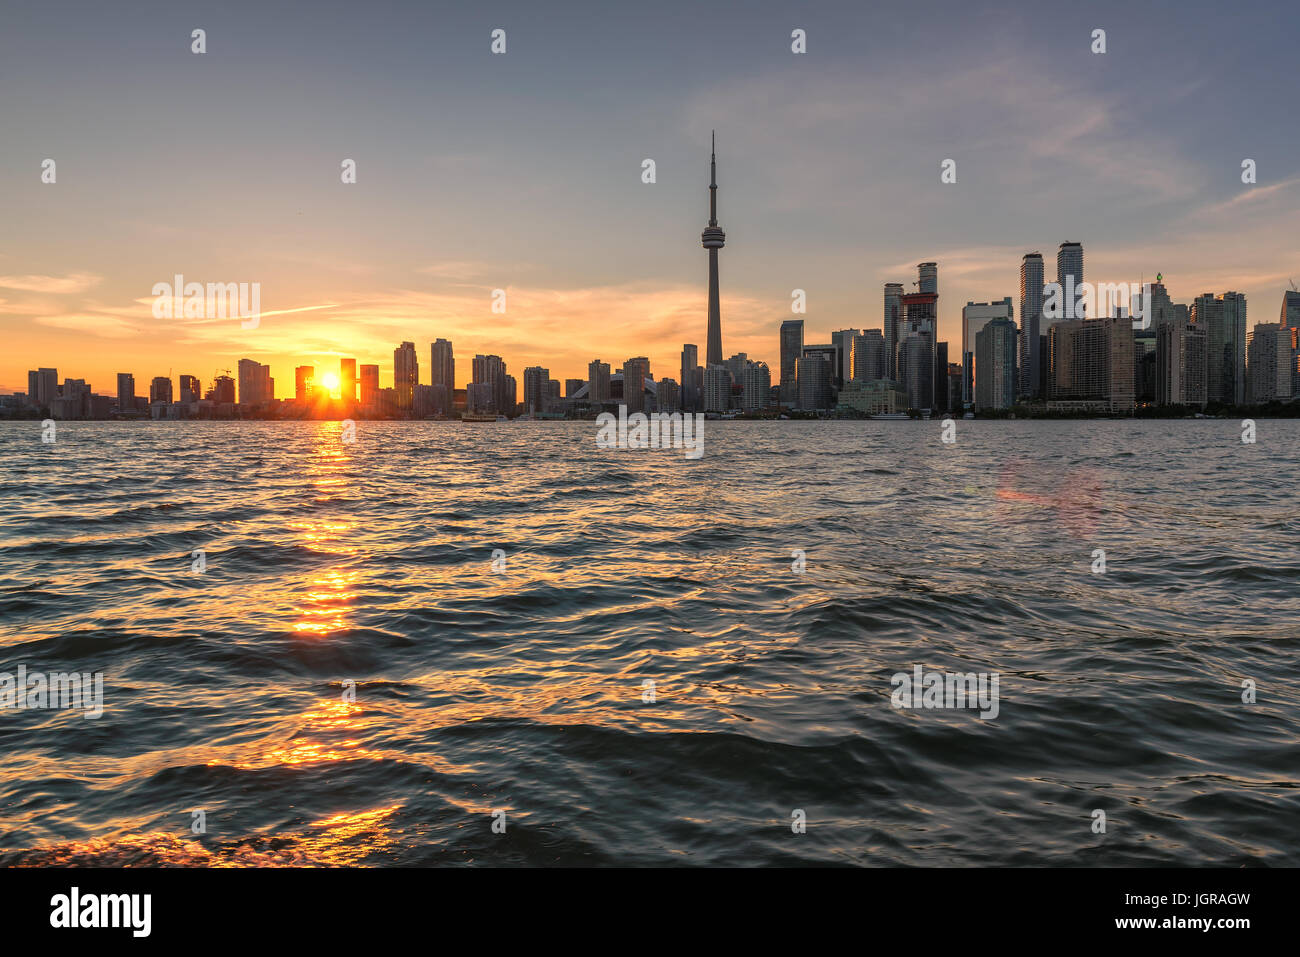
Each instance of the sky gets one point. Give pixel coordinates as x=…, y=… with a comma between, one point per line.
x=523, y=171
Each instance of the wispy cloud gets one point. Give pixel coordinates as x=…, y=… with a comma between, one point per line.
x=106, y=327
x=61, y=285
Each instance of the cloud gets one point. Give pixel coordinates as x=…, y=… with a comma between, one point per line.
x=71, y=283
x=107, y=327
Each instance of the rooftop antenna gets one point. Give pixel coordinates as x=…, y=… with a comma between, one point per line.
x=1293, y=288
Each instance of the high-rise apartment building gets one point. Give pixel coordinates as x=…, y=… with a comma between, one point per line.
x=348, y=380
x=843, y=338
x=1092, y=364
x=442, y=366
x=1224, y=318
x=255, y=383
x=635, y=373
x=691, y=377
x=916, y=362
x=406, y=375
x=160, y=390
x=125, y=393
x=537, y=384
x=791, y=350
x=1290, y=316
x=669, y=397
x=42, y=387
x=1270, y=357
x=867, y=358
x=370, y=386
x=893, y=316
x=598, y=380
x=491, y=371
x=717, y=389
x=1028, y=353
x=304, y=383
x=995, y=348
x=974, y=317
x=928, y=279
x=813, y=375
x=1180, y=363
x=1069, y=275
x=755, y=385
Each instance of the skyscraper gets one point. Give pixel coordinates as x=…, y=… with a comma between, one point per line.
x=370, y=385
x=928, y=278
x=1031, y=321
x=1180, y=363
x=442, y=366
x=670, y=399
x=223, y=390
x=716, y=392
x=690, y=387
x=598, y=380
x=536, y=389
x=893, y=316
x=126, y=393
x=867, y=361
x=791, y=351
x=190, y=390
x=995, y=359
x=1224, y=318
x=406, y=375
x=635, y=372
x=1271, y=358
x=755, y=384
x=1290, y=317
x=42, y=387
x=348, y=380
x=1162, y=308
x=1069, y=274
x=255, y=383
x=1092, y=364
x=916, y=367
x=490, y=370
x=974, y=317
x=160, y=390
x=736, y=365
x=713, y=239
x=844, y=339
x=813, y=372
x=920, y=322
x=304, y=383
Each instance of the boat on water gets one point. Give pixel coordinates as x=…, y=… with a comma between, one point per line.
x=891, y=415
x=481, y=417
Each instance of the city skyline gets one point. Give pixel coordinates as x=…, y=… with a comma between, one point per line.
x=1127, y=175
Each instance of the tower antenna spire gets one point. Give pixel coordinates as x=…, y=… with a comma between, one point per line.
x=713, y=180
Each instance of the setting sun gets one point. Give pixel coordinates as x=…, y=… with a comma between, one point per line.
x=331, y=382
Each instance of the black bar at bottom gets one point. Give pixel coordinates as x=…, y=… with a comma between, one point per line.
x=342, y=907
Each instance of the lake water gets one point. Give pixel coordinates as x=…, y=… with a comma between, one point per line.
x=769, y=590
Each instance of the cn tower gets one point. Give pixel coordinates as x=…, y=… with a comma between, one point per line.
x=714, y=239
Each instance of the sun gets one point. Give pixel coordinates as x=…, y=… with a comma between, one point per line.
x=330, y=381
